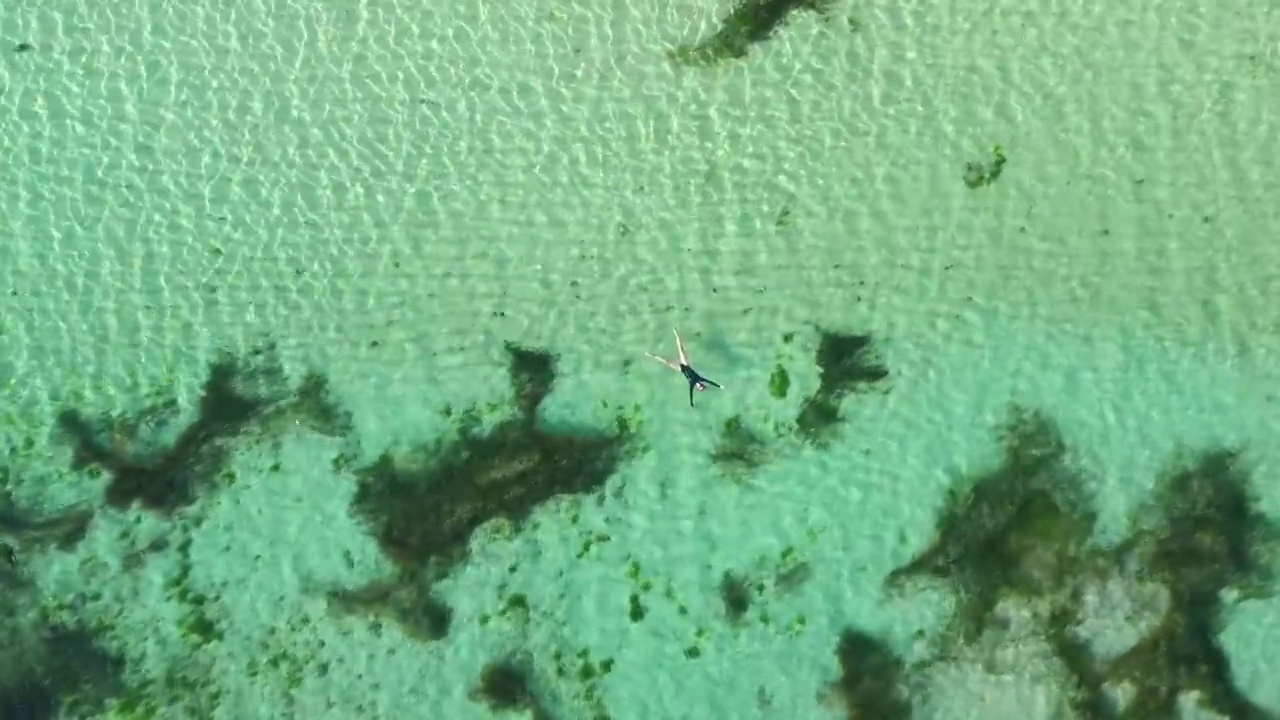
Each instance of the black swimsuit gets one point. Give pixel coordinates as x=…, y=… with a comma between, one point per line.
x=694, y=378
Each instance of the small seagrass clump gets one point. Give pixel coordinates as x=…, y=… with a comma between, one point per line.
x=982, y=174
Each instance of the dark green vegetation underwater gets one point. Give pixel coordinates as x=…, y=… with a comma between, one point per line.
x=1021, y=532
x=422, y=508
x=45, y=666
x=425, y=507
x=161, y=468
x=751, y=22
x=847, y=365
x=150, y=459
x=981, y=174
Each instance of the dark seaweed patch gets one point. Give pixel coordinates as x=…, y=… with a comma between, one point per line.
x=779, y=381
x=735, y=593
x=241, y=398
x=1021, y=528
x=22, y=531
x=52, y=671
x=751, y=22
x=533, y=376
x=871, y=683
x=423, y=509
x=846, y=364
x=506, y=685
x=73, y=675
x=1205, y=533
x=47, y=669
x=427, y=508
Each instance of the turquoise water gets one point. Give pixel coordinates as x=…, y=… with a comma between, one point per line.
x=389, y=193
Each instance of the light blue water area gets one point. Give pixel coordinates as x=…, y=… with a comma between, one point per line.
x=393, y=196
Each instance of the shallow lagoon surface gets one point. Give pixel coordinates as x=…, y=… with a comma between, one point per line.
x=324, y=388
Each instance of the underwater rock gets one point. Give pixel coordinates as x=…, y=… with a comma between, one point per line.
x=1203, y=535
x=242, y=400
x=1115, y=611
x=751, y=22
x=1009, y=673
x=1128, y=632
x=846, y=364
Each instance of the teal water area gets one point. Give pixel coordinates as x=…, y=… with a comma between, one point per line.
x=325, y=391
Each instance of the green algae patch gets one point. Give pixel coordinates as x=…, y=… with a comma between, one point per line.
x=980, y=174
x=779, y=382
x=506, y=685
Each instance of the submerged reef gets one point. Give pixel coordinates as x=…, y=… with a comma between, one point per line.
x=242, y=400
x=1047, y=614
x=846, y=364
x=1202, y=538
x=751, y=22
x=424, y=508
x=1022, y=528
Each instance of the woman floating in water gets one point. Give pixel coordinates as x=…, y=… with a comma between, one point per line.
x=696, y=381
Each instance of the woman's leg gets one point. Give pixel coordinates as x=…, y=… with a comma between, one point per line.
x=664, y=361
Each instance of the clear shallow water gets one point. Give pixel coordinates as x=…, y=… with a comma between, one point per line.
x=390, y=193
